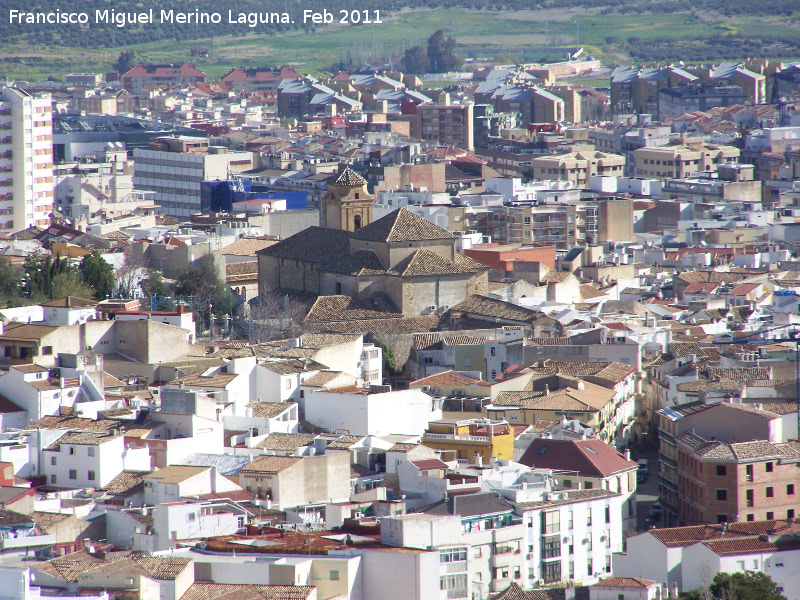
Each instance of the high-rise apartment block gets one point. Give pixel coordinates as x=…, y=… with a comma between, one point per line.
x=26, y=159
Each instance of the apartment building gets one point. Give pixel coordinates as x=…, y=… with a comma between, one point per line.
x=174, y=169
x=142, y=75
x=720, y=482
x=682, y=99
x=681, y=161
x=547, y=225
x=577, y=167
x=26, y=160
x=449, y=125
x=635, y=89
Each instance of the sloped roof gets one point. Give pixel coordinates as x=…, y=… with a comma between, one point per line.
x=401, y=225
x=349, y=178
x=591, y=458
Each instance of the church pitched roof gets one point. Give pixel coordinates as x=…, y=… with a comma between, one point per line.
x=350, y=178
x=401, y=225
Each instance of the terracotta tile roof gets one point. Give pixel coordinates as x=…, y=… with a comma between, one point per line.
x=321, y=378
x=591, y=458
x=424, y=262
x=429, y=464
x=483, y=306
x=349, y=178
x=246, y=247
x=344, y=442
x=175, y=474
x=25, y=332
x=269, y=410
x=397, y=326
x=699, y=287
x=685, y=536
x=450, y=379
x=220, y=380
x=241, y=271
x=82, y=438
x=343, y=308
x=401, y=225
x=269, y=464
x=126, y=483
x=232, y=591
x=291, y=365
x=739, y=451
x=515, y=592
x=630, y=582
x=403, y=447
x=285, y=441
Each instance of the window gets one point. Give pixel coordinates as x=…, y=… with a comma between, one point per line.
x=770, y=516
x=769, y=467
x=191, y=517
x=589, y=518
x=790, y=489
x=608, y=514
x=494, y=374
x=72, y=449
x=749, y=497
x=90, y=449
x=551, y=572
x=551, y=521
x=288, y=384
x=770, y=492
x=47, y=350
x=608, y=564
x=467, y=361
x=748, y=471
x=453, y=555
x=751, y=517
x=73, y=474
x=589, y=569
x=91, y=475
x=53, y=479
x=551, y=547
x=722, y=494
x=501, y=573
x=567, y=483
x=721, y=470
x=334, y=576
x=589, y=542
x=722, y=518
x=53, y=460
x=790, y=513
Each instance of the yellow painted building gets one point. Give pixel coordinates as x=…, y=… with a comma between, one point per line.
x=471, y=440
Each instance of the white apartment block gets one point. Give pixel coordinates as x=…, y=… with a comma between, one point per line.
x=175, y=177
x=26, y=160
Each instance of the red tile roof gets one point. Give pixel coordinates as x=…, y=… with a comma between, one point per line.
x=429, y=464
x=591, y=458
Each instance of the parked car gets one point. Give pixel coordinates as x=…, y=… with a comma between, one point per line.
x=655, y=512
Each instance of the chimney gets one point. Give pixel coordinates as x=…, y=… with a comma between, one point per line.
x=627, y=454
x=68, y=302
x=180, y=309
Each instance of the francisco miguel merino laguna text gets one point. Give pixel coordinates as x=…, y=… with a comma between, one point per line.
x=196, y=17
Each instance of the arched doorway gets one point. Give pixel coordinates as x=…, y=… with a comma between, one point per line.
x=356, y=222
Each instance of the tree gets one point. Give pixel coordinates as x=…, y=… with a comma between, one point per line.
x=441, y=53
x=97, y=274
x=124, y=62
x=742, y=585
x=276, y=316
x=207, y=291
x=10, y=282
x=152, y=284
x=415, y=60
x=40, y=273
x=70, y=283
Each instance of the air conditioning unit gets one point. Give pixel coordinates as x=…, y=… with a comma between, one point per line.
x=426, y=388
x=567, y=539
x=459, y=392
x=432, y=307
x=540, y=582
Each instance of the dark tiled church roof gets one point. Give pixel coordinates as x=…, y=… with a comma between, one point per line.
x=401, y=225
